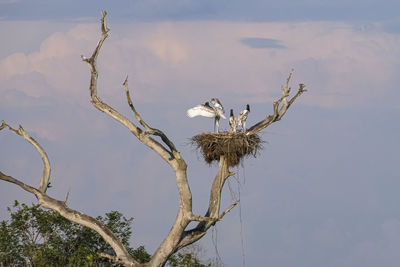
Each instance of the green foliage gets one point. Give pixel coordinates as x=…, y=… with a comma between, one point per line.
x=190, y=257
x=185, y=260
x=141, y=255
x=37, y=237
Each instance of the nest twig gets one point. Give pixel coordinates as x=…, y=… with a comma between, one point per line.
x=234, y=146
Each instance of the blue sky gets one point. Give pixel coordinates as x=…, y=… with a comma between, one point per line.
x=324, y=190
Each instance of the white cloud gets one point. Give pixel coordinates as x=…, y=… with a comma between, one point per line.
x=57, y=65
x=167, y=46
x=166, y=61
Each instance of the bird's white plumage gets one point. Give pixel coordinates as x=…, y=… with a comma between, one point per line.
x=216, y=111
x=201, y=110
x=243, y=117
x=232, y=122
x=219, y=109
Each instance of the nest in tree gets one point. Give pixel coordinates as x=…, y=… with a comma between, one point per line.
x=234, y=146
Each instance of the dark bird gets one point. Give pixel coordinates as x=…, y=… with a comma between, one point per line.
x=232, y=122
x=207, y=111
x=243, y=117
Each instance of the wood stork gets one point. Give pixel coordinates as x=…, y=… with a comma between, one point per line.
x=218, y=106
x=243, y=117
x=232, y=122
x=219, y=111
x=207, y=111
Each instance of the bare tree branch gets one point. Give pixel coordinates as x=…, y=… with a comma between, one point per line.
x=188, y=237
x=144, y=137
x=202, y=218
x=228, y=210
x=211, y=219
x=278, y=112
x=149, y=130
x=191, y=236
x=44, y=182
x=173, y=157
x=112, y=258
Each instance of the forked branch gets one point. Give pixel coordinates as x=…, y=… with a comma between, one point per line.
x=102, y=106
x=45, y=181
x=280, y=107
x=149, y=130
x=192, y=235
x=211, y=219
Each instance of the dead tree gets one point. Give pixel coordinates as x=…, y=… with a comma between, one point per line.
x=179, y=236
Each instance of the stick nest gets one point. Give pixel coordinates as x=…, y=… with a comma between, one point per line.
x=234, y=146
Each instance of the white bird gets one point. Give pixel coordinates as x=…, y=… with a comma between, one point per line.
x=217, y=104
x=232, y=122
x=219, y=111
x=201, y=110
x=243, y=117
x=206, y=111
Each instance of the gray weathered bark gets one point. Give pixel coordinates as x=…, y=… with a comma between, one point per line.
x=179, y=236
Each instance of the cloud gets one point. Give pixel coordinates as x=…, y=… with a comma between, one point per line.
x=198, y=60
x=52, y=70
x=169, y=50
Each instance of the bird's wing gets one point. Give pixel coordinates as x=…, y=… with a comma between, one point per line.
x=244, y=113
x=219, y=110
x=201, y=110
x=232, y=121
x=242, y=116
x=217, y=104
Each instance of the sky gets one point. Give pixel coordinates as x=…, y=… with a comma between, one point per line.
x=322, y=192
